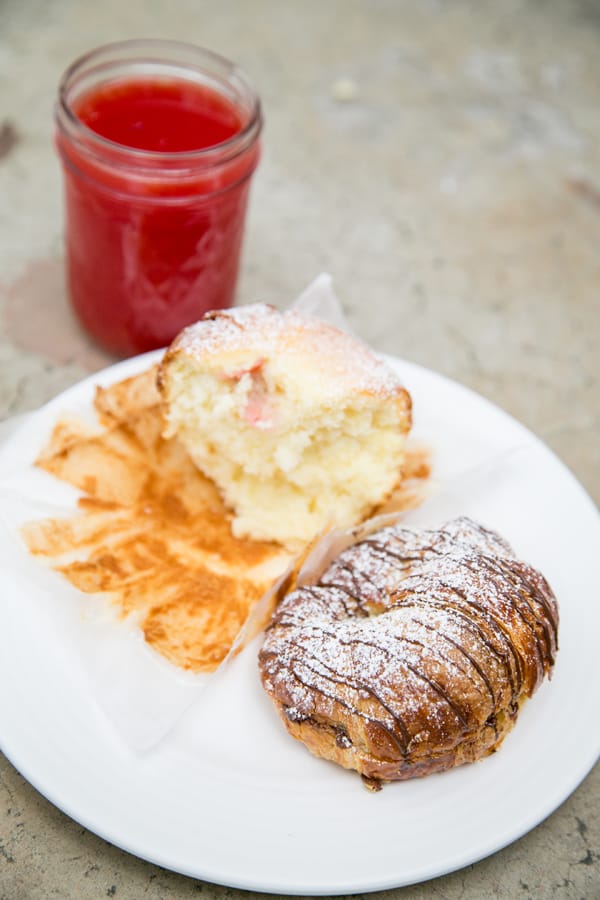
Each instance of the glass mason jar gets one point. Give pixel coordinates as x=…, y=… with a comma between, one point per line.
x=158, y=141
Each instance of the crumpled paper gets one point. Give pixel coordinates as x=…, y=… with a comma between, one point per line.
x=142, y=695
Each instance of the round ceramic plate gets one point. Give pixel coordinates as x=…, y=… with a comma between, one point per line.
x=228, y=796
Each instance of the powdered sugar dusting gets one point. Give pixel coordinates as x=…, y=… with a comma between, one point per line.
x=424, y=636
x=265, y=331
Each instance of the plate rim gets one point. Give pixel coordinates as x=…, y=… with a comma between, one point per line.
x=568, y=786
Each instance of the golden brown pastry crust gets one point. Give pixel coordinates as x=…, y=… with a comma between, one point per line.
x=414, y=651
x=327, y=361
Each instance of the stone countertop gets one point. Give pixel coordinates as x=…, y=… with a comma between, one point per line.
x=442, y=161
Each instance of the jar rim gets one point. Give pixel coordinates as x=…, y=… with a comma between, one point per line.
x=234, y=75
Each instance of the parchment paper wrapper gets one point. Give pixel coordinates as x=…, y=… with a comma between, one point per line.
x=141, y=694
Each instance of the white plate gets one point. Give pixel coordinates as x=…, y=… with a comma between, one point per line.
x=228, y=797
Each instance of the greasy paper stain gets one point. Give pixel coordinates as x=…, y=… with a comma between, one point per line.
x=151, y=532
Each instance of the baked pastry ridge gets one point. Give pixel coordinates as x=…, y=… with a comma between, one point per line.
x=299, y=424
x=413, y=652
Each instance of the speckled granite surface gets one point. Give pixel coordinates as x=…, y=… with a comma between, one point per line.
x=442, y=161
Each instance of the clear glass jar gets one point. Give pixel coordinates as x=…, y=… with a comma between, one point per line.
x=158, y=141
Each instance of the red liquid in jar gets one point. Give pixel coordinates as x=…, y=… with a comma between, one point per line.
x=165, y=116
x=154, y=243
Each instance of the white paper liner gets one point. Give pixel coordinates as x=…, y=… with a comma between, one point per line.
x=319, y=299
x=143, y=695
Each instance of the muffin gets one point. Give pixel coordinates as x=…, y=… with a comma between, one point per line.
x=299, y=424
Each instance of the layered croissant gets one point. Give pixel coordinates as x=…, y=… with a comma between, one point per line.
x=414, y=651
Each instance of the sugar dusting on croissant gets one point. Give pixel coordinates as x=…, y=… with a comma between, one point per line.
x=414, y=651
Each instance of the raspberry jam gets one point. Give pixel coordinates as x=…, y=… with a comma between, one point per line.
x=163, y=115
x=157, y=160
